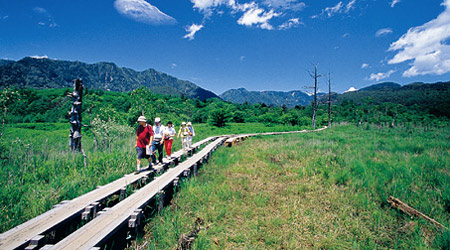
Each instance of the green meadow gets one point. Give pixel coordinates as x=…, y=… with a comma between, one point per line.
x=38, y=170
x=323, y=190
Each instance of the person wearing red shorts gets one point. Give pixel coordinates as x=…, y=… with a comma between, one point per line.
x=169, y=133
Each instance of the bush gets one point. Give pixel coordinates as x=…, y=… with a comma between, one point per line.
x=218, y=117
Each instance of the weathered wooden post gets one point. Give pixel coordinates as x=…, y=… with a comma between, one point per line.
x=75, y=115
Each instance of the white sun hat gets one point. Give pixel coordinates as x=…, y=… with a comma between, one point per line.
x=142, y=119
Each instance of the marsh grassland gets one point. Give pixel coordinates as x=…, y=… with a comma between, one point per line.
x=317, y=190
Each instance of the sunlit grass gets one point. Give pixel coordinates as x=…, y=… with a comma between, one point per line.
x=38, y=171
x=317, y=190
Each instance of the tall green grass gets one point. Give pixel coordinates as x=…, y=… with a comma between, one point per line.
x=316, y=190
x=38, y=171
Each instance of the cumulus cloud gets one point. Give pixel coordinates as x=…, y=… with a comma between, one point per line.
x=194, y=28
x=254, y=15
x=364, y=66
x=293, y=22
x=142, y=11
x=426, y=46
x=383, y=32
x=394, y=2
x=382, y=75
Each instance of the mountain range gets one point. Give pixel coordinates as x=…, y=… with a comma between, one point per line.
x=276, y=98
x=43, y=73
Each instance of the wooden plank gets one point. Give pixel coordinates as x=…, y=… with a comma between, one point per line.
x=413, y=212
x=19, y=236
x=97, y=231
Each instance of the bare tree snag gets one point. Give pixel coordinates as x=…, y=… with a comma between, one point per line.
x=329, y=99
x=75, y=115
x=413, y=212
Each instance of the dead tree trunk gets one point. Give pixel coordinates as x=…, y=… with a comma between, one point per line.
x=329, y=99
x=75, y=115
x=315, y=98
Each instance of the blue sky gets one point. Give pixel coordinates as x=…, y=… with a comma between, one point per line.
x=223, y=44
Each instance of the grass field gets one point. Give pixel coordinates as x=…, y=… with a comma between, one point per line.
x=38, y=171
x=317, y=190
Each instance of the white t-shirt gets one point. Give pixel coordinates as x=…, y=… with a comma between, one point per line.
x=171, y=131
x=158, y=132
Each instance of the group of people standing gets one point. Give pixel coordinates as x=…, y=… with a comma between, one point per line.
x=151, y=139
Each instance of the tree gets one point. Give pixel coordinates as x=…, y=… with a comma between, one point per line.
x=329, y=99
x=7, y=97
x=75, y=115
x=218, y=117
x=314, y=104
x=142, y=102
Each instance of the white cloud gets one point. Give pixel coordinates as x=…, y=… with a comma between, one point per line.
x=142, y=11
x=293, y=22
x=350, y=6
x=194, y=28
x=380, y=76
x=345, y=35
x=242, y=58
x=394, y=2
x=351, y=89
x=337, y=9
x=383, y=32
x=174, y=65
x=426, y=46
x=330, y=11
x=364, y=66
x=294, y=5
x=254, y=15
x=43, y=17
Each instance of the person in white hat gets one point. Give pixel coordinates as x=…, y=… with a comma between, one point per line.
x=183, y=133
x=191, y=133
x=169, y=133
x=144, y=138
x=158, y=140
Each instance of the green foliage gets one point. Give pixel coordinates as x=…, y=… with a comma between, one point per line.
x=219, y=117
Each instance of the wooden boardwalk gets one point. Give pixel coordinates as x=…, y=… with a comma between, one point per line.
x=32, y=234
x=19, y=237
x=99, y=229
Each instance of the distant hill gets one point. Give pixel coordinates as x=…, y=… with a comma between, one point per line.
x=276, y=98
x=433, y=98
x=4, y=62
x=382, y=86
x=46, y=73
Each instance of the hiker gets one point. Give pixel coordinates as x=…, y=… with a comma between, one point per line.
x=144, y=138
x=158, y=141
x=191, y=133
x=169, y=133
x=184, y=133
